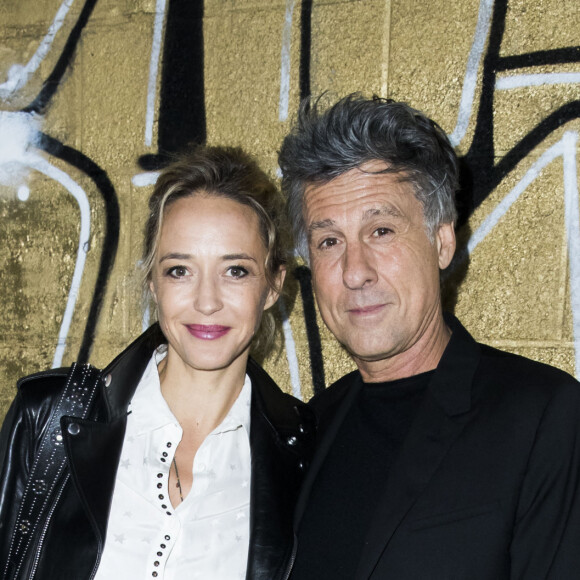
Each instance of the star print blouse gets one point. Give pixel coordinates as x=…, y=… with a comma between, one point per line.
x=207, y=535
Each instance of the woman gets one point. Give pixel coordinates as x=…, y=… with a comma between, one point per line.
x=188, y=462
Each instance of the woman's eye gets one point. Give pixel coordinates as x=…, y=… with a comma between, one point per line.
x=237, y=272
x=177, y=271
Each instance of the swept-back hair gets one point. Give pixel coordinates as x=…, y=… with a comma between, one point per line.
x=327, y=142
x=221, y=172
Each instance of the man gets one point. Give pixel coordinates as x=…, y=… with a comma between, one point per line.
x=440, y=458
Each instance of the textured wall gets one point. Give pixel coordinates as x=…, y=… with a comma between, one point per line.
x=92, y=92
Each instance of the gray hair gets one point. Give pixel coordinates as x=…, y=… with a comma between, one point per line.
x=326, y=143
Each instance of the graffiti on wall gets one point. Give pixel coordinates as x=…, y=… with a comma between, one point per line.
x=22, y=137
x=175, y=101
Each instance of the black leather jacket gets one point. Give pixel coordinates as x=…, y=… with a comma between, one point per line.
x=281, y=434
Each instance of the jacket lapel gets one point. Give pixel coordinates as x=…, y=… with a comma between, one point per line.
x=94, y=446
x=439, y=421
x=281, y=436
x=348, y=387
x=94, y=455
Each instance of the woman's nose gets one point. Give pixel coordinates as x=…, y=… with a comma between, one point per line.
x=207, y=299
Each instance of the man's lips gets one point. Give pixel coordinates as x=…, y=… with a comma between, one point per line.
x=207, y=331
x=365, y=310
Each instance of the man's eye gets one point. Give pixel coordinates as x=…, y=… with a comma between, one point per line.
x=328, y=243
x=381, y=232
x=237, y=272
x=177, y=271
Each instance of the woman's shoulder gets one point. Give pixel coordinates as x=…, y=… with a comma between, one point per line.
x=277, y=405
x=43, y=384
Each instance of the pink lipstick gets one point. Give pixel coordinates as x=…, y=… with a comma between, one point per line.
x=207, y=331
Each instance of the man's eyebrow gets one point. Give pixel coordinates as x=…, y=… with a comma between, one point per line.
x=388, y=210
x=320, y=225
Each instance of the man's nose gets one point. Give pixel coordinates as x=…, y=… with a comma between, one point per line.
x=358, y=269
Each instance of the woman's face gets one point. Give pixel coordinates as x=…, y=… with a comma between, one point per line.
x=208, y=281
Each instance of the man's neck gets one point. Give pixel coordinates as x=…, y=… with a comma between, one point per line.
x=424, y=355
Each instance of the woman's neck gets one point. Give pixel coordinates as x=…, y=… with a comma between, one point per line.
x=200, y=399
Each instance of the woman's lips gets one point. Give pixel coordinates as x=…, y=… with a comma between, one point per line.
x=207, y=331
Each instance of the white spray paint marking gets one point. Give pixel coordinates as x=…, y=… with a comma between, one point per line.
x=23, y=192
x=18, y=75
x=470, y=80
x=285, y=62
x=39, y=164
x=535, y=80
x=503, y=206
x=145, y=179
x=565, y=148
x=569, y=142
x=18, y=133
x=291, y=356
x=154, y=69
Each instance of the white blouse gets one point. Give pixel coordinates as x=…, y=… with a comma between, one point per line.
x=206, y=536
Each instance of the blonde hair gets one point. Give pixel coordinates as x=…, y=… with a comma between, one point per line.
x=222, y=172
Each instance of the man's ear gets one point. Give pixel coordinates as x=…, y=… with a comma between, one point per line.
x=274, y=293
x=445, y=238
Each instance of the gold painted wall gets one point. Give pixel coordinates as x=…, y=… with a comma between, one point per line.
x=502, y=78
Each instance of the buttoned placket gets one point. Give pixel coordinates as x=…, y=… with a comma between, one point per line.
x=164, y=543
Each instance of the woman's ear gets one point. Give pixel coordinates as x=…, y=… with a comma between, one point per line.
x=274, y=293
x=152, y=290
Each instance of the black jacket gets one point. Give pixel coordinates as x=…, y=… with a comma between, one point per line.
x=486, y=485
x=280, y=435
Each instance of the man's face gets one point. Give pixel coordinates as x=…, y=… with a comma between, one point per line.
x=375, y=269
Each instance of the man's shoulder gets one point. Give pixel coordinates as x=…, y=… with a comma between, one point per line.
x=508, y=367
x=502, y=369
x=522, y=383
x=334, y=394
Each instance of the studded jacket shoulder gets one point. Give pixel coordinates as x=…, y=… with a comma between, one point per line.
x=281, y=440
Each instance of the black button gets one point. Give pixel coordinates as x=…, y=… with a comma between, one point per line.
x=169, y=445
x=155, y=563
x=159, y=485
x=164, y=454
x=163, y=546
x=168, y=513
x=154, y=574
x=161, y=496
x=163, y=459
x=160, y=553
x=168, y=537
x=163, y=506
x=160, y=475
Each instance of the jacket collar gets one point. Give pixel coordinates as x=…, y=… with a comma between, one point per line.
x=121, y=377
x=451, y=383
x=439, y=421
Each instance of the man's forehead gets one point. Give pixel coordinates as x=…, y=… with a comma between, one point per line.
x=364, y=213
x=363, y=194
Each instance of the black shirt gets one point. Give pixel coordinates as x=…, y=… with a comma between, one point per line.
x=351, y=480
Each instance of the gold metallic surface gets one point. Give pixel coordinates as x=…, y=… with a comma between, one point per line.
x=514, y=292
